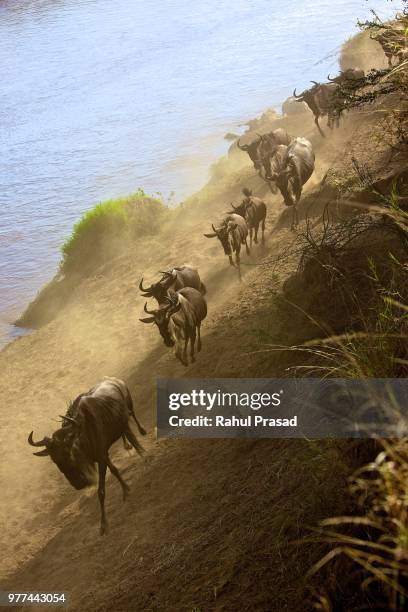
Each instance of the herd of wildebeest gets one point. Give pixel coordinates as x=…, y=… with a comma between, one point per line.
x=99, y=417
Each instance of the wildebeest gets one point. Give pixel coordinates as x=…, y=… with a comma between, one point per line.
x=253, y=210
x=264, y=146
x=269, y=144
x=93, y=422
x=171, y=281
x=252, y=150
x=350, y=77
x=232, y=233
x=292, y=167
x=179, y=321
x=321, y=100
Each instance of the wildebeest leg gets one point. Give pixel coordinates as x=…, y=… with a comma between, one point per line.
x=101, y=494
x=263, y=230
x=182, y=355
x=185, y=358
x=248, y=251
x=230, y=260
x=133, y=440
x=181, y=336
x=272, y=187
x=199, y=338
x=338, y=117
x=295, y=219
x=318, y=126
x=192, y=343
x=141, y=429
x=114, y=470
x=238, y=260
x=126, y=444
x=256, y=233
x=250, y=237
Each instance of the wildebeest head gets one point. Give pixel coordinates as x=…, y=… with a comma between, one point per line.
x=161, y=317
x=308, y=96
x=351, y=75
x=252, y=150
x=159, y=290
x=64, y=450
x=238, y=210
x=223, y=235
x=267, y=146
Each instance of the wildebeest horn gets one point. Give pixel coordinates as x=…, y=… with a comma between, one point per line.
x=69, y=419
x=215, y=230
x=315, y=82
x=142, y=288
x=44, y=442
x=295, y=94
x=242, y=147
x=150, y=312
x=328, y=78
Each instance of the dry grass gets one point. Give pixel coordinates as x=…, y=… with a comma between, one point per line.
x=376, y=540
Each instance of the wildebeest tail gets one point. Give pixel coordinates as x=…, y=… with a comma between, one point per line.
x=203, y=289
x=141, y=429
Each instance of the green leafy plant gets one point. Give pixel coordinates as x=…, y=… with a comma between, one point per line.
x=106, y=229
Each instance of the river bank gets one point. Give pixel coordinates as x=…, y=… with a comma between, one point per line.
x=73, y=136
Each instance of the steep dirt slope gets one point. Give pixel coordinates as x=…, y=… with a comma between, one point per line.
x=209, y=524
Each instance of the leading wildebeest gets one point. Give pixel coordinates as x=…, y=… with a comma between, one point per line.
x=232, y=233
x=93, y=422
x=179, y=321
x=292, y=167
x=172, y=281
x=264, y=146
x=320, y=99
x=253, y=210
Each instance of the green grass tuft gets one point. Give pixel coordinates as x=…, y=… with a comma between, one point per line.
x=109, y=228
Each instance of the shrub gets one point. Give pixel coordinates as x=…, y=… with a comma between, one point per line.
x=109, y=228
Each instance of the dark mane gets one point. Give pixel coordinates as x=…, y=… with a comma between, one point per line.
x=72, y=409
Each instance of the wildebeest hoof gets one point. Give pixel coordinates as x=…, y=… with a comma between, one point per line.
x=104, y=530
